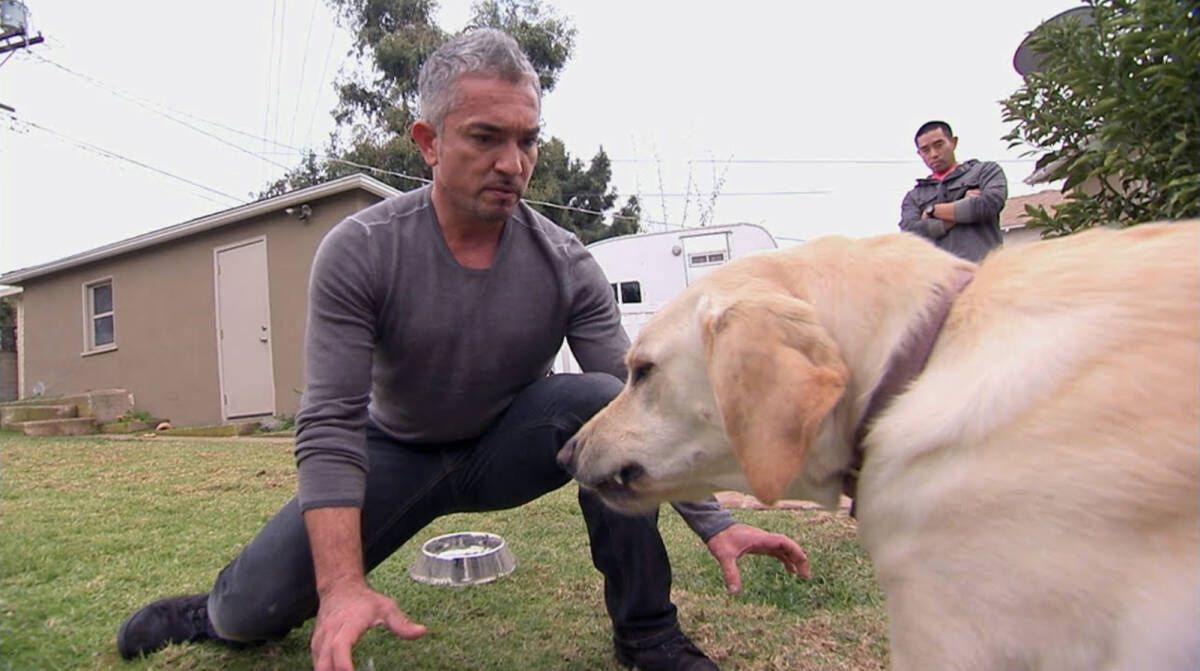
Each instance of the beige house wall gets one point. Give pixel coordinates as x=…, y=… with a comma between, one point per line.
x=165, y=317
x=289, y=260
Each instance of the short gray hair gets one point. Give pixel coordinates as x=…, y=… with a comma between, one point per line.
x=485, y=51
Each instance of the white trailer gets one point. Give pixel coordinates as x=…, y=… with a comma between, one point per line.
x=647, y=270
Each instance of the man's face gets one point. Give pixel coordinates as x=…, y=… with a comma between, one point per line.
x=937, y=150
x=484, y=154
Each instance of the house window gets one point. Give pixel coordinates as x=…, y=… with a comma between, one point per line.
x=101, y=331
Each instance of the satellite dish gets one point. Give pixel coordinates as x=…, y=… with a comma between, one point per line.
x=1026, y=60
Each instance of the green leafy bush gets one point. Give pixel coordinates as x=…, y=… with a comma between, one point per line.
x=1115, y=108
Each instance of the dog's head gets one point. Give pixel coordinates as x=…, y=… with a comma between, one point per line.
x=729, y=386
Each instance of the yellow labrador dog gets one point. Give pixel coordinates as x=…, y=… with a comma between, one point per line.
x=1022, y=437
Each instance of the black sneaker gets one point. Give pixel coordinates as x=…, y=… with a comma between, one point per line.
x=668, y=651
x=179, y=619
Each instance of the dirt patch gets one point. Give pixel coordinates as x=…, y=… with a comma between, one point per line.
x=740, y=500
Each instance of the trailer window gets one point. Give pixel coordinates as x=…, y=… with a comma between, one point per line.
x=631, y=292
x=706, y=259
x=627, y=292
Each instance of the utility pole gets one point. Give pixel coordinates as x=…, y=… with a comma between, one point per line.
x=14, y=27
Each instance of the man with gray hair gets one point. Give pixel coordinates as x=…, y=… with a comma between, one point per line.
x=433, y=321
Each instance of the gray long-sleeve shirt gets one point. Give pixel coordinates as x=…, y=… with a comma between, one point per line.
x=977, y=228
x=434, y=352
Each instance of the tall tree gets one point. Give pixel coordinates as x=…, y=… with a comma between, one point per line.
x=375, y=110
x=1115, y=107
x=559, y=178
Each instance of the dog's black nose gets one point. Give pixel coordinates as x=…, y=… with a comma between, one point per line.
x=628, y=473
x=566, y=457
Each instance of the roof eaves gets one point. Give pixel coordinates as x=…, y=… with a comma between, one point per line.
x=201, y=224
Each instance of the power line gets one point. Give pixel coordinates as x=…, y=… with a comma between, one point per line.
x=362, y=166
x=312, y=116
x=529, y=201
x=698, y=193
x=279, y=66
x=303, y=65
x=114, y=155
x=801, y=161
x=614, y=215
x=155, y=107
x=269, y=90
x=159, y=108
x=382, y=171
x=120, y=157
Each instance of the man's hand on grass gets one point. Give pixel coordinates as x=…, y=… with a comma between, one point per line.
x=739, y=539
x=345, y=614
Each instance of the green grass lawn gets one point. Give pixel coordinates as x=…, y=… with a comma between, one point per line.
x=92, y=528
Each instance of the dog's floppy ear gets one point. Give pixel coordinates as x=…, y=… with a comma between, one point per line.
x=776, y=374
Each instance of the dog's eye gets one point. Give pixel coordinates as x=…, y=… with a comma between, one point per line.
x=640, y=372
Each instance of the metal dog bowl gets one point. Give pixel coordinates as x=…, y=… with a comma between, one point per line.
x=466, y=558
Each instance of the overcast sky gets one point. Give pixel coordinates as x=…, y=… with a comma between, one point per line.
x=798, y=116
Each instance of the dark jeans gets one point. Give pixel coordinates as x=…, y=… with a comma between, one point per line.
x=269, y=588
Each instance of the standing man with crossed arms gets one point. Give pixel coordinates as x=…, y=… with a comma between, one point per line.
x=957, y=206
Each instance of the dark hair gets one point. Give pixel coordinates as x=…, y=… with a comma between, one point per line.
x=932, y=126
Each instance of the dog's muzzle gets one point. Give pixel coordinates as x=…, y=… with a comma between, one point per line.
x=614, y=485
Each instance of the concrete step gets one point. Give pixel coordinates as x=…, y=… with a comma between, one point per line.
x=73, y=399
x=14, y=414
x=75, y=426
x=103, y=405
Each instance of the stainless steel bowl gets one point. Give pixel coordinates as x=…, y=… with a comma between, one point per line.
x=461, y=559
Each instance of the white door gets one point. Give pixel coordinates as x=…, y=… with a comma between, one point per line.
x=244, y=330
x=702, y=253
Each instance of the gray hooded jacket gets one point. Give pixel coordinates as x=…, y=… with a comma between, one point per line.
x=977, y=230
